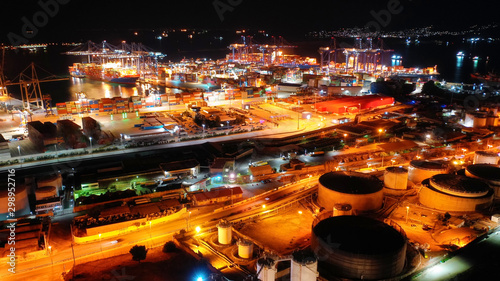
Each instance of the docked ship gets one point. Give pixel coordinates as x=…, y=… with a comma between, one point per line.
x=122, y=64
x=104, y=72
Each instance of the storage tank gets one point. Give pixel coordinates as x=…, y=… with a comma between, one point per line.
x=22, y=205
x=359, y=247
x=486, y=157
x=50, y=180
x=225, y=232
x=245, y=249
x=342, y=210
x=304, y=266
x=396, y=178
x=45, y=192
x=488, y=173
x=363, y=192
x=455, y=193
x=492, y=121
x=479, y=121
x=266, y=269
x=420, y=170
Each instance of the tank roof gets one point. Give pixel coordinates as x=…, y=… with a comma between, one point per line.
x=396, y=170
x=484, y=171
x=487, y=153
x=359, y=235
x=460, y=184
x=351, y=182
x=304, y=256
x=47, y=188
x=428, y=165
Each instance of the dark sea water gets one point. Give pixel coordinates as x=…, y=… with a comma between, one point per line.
x=428, y=53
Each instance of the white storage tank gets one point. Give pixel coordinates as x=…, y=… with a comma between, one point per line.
x=420, y=170
x=492, y=121
x=245, y=249
x=266, y=269
x=22, y=205
x=225, y=232
x=480, y=121
x=342, y=210
x=486, y=157
x=304, y=266
x=396, y=178
x=45, y=192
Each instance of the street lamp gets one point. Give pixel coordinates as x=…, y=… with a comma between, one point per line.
x=407, y=211
x=19, y=150
x=90, y=138
x=203, y=125
x=100, y=244
x=50, y=253
x=345, y=136
x=379, y=134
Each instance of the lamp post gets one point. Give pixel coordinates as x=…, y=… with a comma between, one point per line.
x=407, y=211
x=345, y=136
x=90, y=138
x=50, y=253
x=19, y=150
x=379, y=134
x=100, y=244
x=203, y=125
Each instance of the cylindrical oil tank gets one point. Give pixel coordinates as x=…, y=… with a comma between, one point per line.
x=22, y=205
x=245, y=249
x=266, y=269
x=479, y=121
x=488, y=173
x=455, y=193
x=396, y=178
x=50, y=180
x=225, y=232
x=486, y=157
x=342, y=210
x=304, y=266
x=363, y=192
x=420, y=170
x=45, y=192
x=359, y=247
x=492, y=121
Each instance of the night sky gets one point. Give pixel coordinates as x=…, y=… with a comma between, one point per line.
x=78, y=17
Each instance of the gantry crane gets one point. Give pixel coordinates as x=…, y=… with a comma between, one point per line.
x=29, y=84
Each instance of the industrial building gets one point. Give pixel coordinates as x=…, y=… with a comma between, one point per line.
x=217, y=195
x=455, y=193
x=42, y=134
x=354, y=104
x=358, y=247
x=361, y=191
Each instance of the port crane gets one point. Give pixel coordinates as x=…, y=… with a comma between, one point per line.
x=246, y=50
x=29, y=84
x=363, y=56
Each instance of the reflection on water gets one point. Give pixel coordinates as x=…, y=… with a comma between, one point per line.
x=98, y=89
x=458, y=68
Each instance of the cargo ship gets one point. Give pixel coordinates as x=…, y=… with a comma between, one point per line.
x=110, y=72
